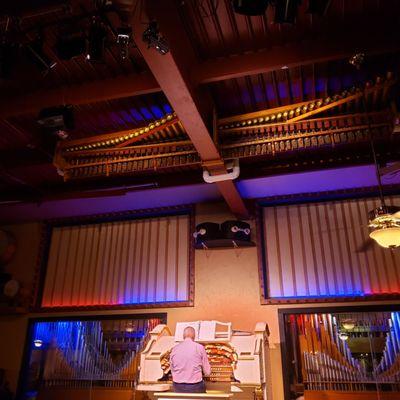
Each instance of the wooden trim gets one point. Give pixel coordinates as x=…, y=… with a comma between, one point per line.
x=122, y=215
x=172, y=304
x=282, y=339
x=330, y=299
x=324, y=196
x=110, y=217
x=83, y=317
x=41, y=266
x=339, y=309
x=261, y=259
x=192, y=228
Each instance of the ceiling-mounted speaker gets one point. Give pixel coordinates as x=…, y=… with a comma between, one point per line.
x=250, y=7
x=236, y=230
x=206, y=231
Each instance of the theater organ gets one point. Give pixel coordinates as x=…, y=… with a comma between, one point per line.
x=239, y=360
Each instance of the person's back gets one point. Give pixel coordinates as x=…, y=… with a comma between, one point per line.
x=188, y=363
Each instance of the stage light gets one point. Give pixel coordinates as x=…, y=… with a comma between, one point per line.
x=97, y=38
x=57, y=120
x=343, y=336
x=123, y=39
x=357, y=60
x=70, y=45
x=37, y=343
x=250, y=7
x=286, y=11
x=38, y=57
x=153, y=38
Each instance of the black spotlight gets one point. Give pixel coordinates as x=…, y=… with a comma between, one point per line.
x=357, y=60
x=70, y=45
x=286, y=11
x=154, y=39
x=250, y=7
x=124, y=34
x=97, y=38
x=38, y=57
x=57, y=120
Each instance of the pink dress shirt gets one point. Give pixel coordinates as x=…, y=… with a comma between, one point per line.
x=188, y=362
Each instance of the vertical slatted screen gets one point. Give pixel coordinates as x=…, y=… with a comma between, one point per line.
x=126, y=262
x=318, y=250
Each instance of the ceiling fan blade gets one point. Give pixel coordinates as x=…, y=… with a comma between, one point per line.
x=390, y=169
x=367, y=245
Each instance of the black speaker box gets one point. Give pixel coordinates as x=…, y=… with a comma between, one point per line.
x=207, y=231
x=236, y=230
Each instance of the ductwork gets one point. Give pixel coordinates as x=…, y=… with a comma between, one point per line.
x=233, y=173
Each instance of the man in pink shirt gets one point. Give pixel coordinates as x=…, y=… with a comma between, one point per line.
x=189, y=362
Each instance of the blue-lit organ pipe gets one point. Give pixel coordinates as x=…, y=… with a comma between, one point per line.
x=388, y=370
x=77, y=350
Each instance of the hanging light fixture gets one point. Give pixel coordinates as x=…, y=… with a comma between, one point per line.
x=384, y=220
x=348, y=324
x=343, y=336
x=385, y=224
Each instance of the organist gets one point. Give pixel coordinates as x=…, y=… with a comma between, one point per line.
x=189, y=361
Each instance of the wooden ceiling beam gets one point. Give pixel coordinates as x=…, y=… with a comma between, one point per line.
x=200, y=73
x=79, y=94
x=299, y=54
x=191, y=106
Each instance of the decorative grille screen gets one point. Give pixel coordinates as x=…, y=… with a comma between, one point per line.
x=126, y=262
x=317, y=250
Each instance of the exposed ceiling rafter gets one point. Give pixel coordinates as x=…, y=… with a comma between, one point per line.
x=190, y=105
x=235, y=66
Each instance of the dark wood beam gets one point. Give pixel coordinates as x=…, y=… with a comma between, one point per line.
x=171, y=72
x=85, y=93
x=304, y=53
x=235, y=66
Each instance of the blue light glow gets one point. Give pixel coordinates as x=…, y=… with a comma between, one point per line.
x=167, y=108
x=136, y=114
x=283, y=90
x=146, y=113
x=126, y=116
x=157, y=111
x=116, y=118
x=270, y=92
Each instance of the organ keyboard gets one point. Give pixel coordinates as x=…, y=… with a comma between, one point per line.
x=239, y=361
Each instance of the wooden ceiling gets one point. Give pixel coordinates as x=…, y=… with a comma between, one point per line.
x=221, y=67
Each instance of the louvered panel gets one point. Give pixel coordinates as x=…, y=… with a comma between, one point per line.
x=313, y=250
x=138, y=261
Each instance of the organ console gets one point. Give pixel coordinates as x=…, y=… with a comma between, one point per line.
x=239, y=361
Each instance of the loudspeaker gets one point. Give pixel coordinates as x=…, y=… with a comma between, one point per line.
x=206, y=231
x=236, y=230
